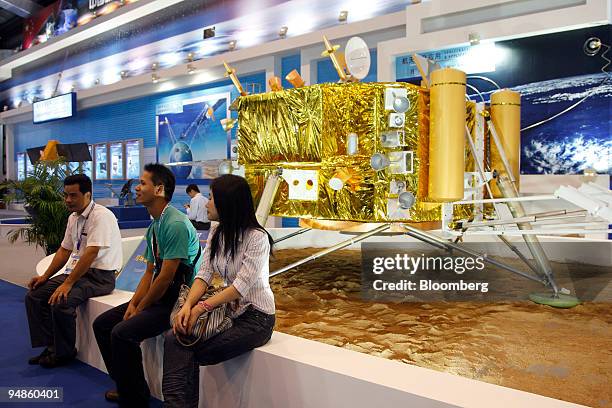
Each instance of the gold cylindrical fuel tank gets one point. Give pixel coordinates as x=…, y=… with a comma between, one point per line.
x=446, y=135
x=506, y=116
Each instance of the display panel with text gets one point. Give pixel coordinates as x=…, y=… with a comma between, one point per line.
x=101, y=162
x=21, y=166
x=132, y=156
x=116, y=158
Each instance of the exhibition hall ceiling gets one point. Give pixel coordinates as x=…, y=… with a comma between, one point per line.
x=169, y=36
x=11, y=24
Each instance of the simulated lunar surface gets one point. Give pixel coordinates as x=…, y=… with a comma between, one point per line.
x=559, y=353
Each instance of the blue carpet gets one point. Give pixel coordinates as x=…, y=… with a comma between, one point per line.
x=13, y=220
x=134, y=224
x=83, y=385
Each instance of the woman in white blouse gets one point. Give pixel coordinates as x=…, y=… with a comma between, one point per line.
x=238, y=249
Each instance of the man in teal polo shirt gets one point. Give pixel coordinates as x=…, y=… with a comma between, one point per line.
x=181, y=242
x=172, y=255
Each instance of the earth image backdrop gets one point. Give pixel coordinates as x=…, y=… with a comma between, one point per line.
x=189, y=129
x=574, y=141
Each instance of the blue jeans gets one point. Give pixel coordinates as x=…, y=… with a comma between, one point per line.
x=181, y=380
x=119, y=342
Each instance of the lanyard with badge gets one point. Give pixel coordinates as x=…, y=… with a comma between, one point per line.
x=157, y=262
x=74, y=257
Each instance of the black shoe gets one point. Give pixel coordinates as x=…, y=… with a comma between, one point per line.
x=52, y=360
x=36, y=360
x=111, y=396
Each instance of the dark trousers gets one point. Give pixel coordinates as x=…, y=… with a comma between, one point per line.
x=200, y=226
x=56, y=325
x=181, y=380
x=119, y=342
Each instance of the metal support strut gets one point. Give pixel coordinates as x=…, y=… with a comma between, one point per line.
x=293, y=234
x=508, y=188
x=442, y=243
x=267, y=197
x=336, y=247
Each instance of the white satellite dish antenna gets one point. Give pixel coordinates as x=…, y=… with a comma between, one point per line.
x=357, y=55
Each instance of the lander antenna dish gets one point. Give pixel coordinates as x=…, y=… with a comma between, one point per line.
x=357, y=56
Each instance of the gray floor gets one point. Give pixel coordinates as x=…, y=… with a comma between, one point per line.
x=18, y=261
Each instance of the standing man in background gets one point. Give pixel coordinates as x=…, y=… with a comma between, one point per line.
x=196, y=209
x=92, y=249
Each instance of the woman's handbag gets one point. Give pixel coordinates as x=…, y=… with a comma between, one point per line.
x=209, y=324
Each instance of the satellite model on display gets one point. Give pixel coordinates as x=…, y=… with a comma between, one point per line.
x=394, y=157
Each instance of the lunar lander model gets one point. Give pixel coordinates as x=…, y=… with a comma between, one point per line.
x=396, y=157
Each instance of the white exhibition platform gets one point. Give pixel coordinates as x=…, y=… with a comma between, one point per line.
x=291, y=371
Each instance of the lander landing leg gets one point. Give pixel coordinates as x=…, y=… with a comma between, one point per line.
x=334, y=248
x=293, y=234
x=507, y=187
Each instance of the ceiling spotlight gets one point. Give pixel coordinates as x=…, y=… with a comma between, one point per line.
x=190, y=69
x=343, y=16
x=209, y=32
x=190, y=56
x=154, y=66
x=73, y=88
x=232, y=45
x=592, y=46
x=97, y=81
x=283, y=32
x=5, y=108
x=474, y=39
x=123, y=74
x=154, y=78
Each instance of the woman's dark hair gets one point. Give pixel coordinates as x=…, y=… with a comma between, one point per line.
x=234, y=204
x=82, y=180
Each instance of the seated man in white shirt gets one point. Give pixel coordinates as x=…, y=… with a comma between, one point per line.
x=196, y=209
x=91, y=251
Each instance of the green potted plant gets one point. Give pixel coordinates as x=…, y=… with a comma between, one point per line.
x=42, y=193
x=2, y=202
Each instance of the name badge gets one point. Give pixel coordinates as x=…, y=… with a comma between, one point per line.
x=74, y=258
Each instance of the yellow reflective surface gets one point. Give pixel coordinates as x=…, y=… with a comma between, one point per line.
x=308, y=128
